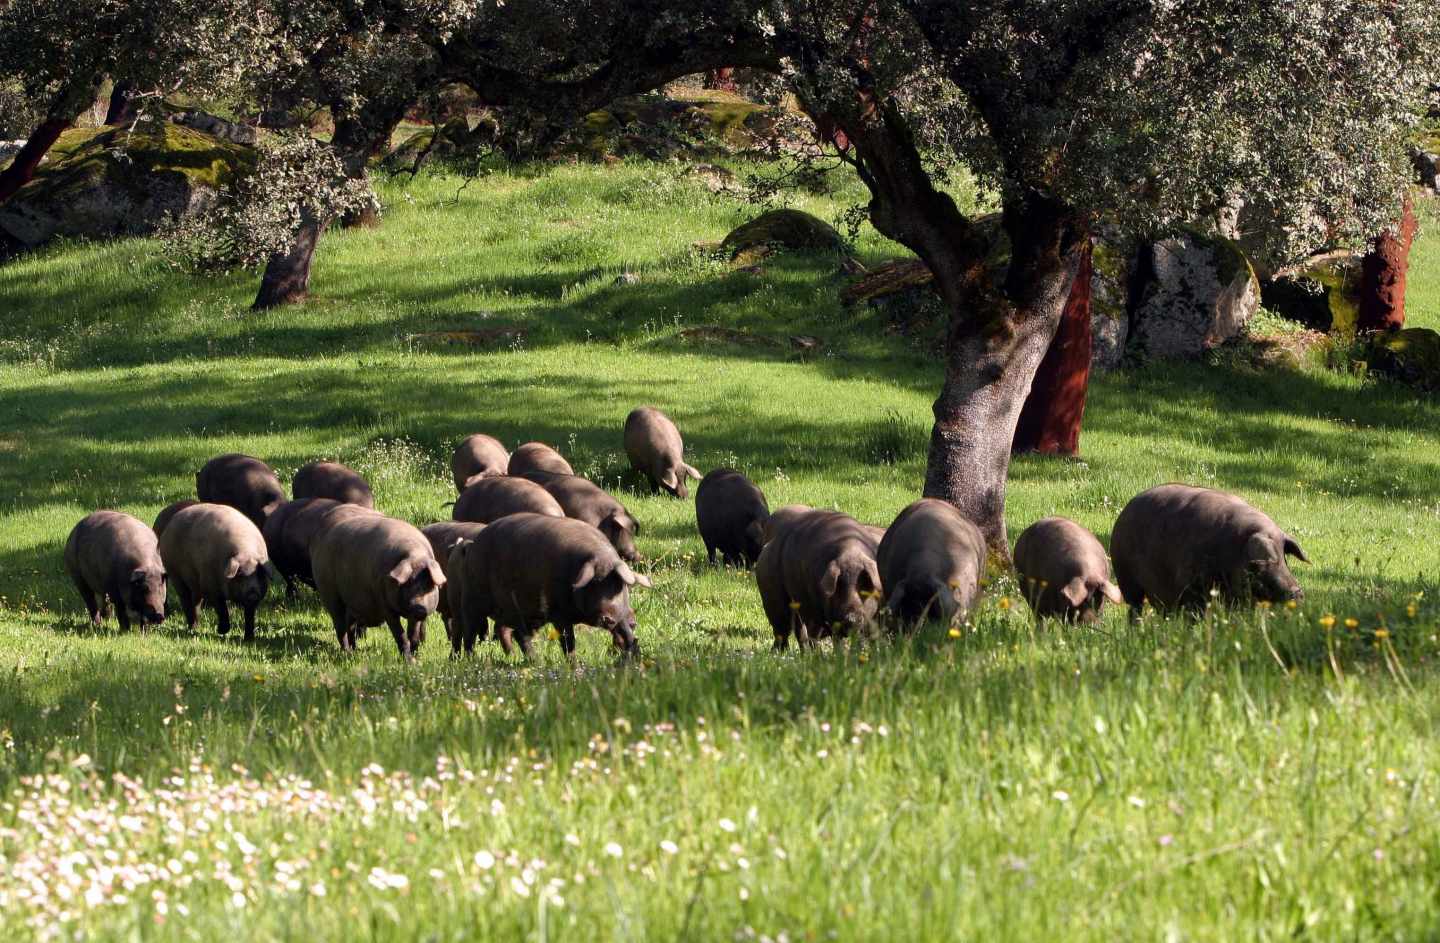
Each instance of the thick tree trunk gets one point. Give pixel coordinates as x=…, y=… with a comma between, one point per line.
x=994, y=346
x=122, y=104
x=1382, y=276
x=1050, y=421
x=287, y=274
x=68, y=105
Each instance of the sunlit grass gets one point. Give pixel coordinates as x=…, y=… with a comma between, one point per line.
x=1264, y=774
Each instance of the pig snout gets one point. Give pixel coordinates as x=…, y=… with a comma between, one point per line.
x=623, y=634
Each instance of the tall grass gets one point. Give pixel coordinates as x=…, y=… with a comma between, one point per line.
x=1259, y=774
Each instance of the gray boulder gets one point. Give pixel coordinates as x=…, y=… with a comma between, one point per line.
x=100, y=182
x=1200, y=292
x=1113, y=269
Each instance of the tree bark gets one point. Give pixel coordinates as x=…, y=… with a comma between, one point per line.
x=287, y=274
x=1383, y=273
x=1050, y=420
x=122, y=104
x=992, y=351
x=722, y=80
x=68, y=104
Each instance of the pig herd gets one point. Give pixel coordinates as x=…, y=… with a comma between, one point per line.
x=533, y=544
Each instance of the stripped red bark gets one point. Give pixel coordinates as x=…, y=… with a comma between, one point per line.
x=1383, y=273
x=1050, y=420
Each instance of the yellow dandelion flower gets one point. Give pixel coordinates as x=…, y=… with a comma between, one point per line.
x=1410, y=610
x=1382, y=633
x=795, y=606
x=1004, y=602
x=864, y=658
x=1327, y=621
x=954, y=632
x=1291, y=604
x=258, y=679
x=553, y=634
x=1264, y=604
x=1352, y=623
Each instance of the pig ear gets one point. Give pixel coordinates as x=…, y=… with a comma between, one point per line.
x=871, y=576
x=669, y=479
x=585, y=576
x=1075, y=592
x=691, y=471
x=232, y=568
x=1111, y=592
x=437, y=575
x=1259, y=548
x=1292, y=549
x=629, y=577
x=831, y=579
x=403, y=571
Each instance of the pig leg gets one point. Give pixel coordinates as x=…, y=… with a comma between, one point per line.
x=222, y=615
x=416, y=634
x=567, y=641
x=122, y=614
x=778, y=612
x=91, y=606
x=250, y=622
x=341, y=620
x=506, y=635
x=188, y=605
x=710, y=552
x=402, y=641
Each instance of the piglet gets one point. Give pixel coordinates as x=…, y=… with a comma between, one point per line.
x=527, y=570
x=931, y=560
x=243, y=482
x=215, y=555
x=819, y=577
x=655, y=450
x=1175, y=543
x=115, y=558
x=1064, y=572
x=478, y=456
x=731, y=513
x=334, y=481
x=371, y=569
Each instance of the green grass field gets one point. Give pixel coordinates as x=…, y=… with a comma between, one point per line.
x=1253, y=776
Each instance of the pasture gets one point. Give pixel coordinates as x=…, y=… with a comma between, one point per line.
x=1260, y=774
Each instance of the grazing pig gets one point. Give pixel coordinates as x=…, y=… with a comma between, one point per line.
x=782, y=518
x=533, y=457
x=169, y=511
x=818, y=577
x=478, y=456
x=371, y=569
x=114, y=558
x=1173, y=544
x=586, y=501
x=656, y=451
x=289, y=531
x=490, y=499
x=216, y=555
x=931, y=560
x=1063, y=570
x=443, y=537
x=527, y=570
x=244, y=483
x=334, y=481
x=731, y=513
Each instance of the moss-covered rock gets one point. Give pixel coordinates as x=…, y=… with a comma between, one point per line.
x=660, y=128
x=1322, y=293
x=789, y=229
x=1199, y=292
x=1410, y=356
x=107, y=181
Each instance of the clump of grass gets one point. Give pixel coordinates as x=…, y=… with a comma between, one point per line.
x=895, y=439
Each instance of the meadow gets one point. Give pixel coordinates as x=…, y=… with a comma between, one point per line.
x=1267, y=774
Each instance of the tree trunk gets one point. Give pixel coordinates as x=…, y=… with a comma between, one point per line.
x=1382, y=276
x=1050, y=421
x=122, y=104
x=994, y=346
x=722, y=80
x=68, y=105
x=287, y=274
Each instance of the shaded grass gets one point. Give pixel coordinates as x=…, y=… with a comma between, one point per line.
x=1232, y=778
